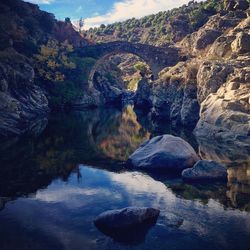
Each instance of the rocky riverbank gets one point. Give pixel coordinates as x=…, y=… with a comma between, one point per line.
x=22, y=102
x=211, y=90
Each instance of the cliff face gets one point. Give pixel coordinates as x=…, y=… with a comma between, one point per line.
x=21, y=101
x=225, y=109
x=213, y=85
x=23, y=29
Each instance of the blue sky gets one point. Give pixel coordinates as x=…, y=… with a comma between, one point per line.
x=96, y=12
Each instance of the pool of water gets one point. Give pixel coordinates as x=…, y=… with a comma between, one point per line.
x=55, y=181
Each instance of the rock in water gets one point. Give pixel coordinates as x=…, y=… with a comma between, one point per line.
x=164, y=153
x=127, y=217
x=128, y=225
x=205, y=170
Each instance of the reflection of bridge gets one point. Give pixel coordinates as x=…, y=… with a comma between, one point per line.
x=156, y=57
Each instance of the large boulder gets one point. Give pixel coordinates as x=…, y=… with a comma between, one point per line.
x=206, y=37
x=205, y=170
x=241, y=44
x=225, y=115
x=221, y=47
x=164, y=153
x=128, y=225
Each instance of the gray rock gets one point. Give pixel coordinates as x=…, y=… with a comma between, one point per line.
x=164, y=153
x=224, y=115
x=125, y=218
x=241, y=44
x=221, y=47
x=190, y=107
x=211, y=76
x=174, y=96
x=21, y=101
x=205, y=170
x=142, y=98
x=206, y=37
x=129, y=225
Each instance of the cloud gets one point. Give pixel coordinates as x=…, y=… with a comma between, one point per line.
x=79, y=9
x=40, y=1
x=126, y=9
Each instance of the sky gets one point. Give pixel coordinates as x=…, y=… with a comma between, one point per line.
x=97, y=12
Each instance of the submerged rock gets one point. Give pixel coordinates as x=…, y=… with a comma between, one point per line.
x=205, y=170
x=128, y=225
x=164, y=153
x=127, y=217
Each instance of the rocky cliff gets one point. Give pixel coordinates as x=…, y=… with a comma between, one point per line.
x=23, y=29
x=213, y=86
x=21, y=101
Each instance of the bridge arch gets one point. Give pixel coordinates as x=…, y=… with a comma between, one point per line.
x=157, y=58
x=106, y=58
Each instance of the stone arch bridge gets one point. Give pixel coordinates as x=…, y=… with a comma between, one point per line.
x=156, y=57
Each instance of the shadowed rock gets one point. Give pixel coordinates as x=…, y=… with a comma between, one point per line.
x=205, y=170
x=164, y=153
x=129, y=225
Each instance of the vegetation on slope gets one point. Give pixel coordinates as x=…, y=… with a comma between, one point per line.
x=159, y=29
x=48, y=46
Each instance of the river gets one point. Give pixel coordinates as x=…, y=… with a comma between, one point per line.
x=70, y=168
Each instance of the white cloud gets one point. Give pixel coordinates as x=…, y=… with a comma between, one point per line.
x=126, y=9
x=40, y=1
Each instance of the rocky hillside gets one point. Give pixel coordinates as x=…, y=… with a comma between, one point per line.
x=208, y=91
x=25, y=35
x=159, y=29
x=213, y=86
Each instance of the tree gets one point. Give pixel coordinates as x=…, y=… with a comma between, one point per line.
x=141, y=67
x=67, y=20
x=53, y=61
x=81, y=24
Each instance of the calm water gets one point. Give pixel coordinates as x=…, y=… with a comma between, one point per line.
x=55, y=181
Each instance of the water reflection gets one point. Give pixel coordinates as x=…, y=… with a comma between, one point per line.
x=62, y=215
x=118, y=137
x=100, y=137
x=230, y=154
x=105, y=138
x=40, y=175
x=239, y=186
